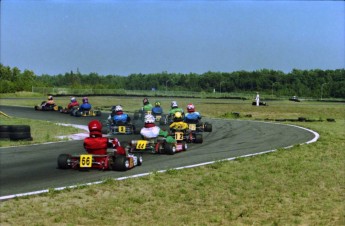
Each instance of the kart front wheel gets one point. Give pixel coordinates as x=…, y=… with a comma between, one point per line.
x=63, y=161
x=139, y=159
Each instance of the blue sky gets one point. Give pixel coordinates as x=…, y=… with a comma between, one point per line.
x=124, y=37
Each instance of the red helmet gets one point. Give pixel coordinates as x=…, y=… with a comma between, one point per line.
x=190, y=108
x=95, y=128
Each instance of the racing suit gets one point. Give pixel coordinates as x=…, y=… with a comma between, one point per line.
x=85, y=107
x=193, y=117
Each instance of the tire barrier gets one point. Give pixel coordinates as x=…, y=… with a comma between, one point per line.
x=15, y=132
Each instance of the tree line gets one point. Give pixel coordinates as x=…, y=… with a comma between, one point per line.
x=304, y=83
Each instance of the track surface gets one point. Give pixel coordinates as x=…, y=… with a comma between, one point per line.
x=30, y=168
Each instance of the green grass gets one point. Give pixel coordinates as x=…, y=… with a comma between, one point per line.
x=41, y=131
x=303, y=185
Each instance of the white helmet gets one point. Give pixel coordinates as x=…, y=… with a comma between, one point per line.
x=149, y=119
x=118, y=108
x=73, y=99
x=174, y=104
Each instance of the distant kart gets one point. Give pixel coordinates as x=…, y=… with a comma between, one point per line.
x=43, y=107
x=162, y=119
x=90, y=113
x=156, y=146
x=66, y=110
x=200, y=126
x=121, y=128
x=109, y=161
x=294, y=98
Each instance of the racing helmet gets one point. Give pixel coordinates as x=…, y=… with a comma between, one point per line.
x=73, y=99
x=149, y=119
x=174, y=104
x=178, y=116
x=85, y=100
x=190, y=108
x=95, y=128
x=145, y=101
x=118, y=108
x=50, y=97
x=157, y=104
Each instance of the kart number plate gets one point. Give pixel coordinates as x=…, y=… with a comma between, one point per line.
x=85, y=161
x=122, y=129
x=192, y=126
x=178, y=135
x=141, y=145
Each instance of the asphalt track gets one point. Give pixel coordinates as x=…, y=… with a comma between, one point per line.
x=31, y=168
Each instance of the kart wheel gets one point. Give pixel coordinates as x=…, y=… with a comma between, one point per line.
x=98, y=113
x=198, y=138
x=120, y=163
x=63, y=161
x=170, y=149
x=207, y=127
x=184, y=146
x=5, y=132
x=139, y=159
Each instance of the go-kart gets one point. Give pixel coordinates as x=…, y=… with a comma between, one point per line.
x=157, y=145
x=44, y=107
x=120, y=128
x=85, y=113
x=66, y=110
x=190, y=135
x=162, y=119
x=109, y=161
x=199, y=126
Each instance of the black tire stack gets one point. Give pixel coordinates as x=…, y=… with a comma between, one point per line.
x=15, y=132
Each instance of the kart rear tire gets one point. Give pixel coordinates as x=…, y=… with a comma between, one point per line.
x=136, y=116
x=169, y=149
x=120, y=163
x=198, y=138
x=184, y=146
x=98, y=113
x=139, y=159
x=62, y=161
x=208, y=127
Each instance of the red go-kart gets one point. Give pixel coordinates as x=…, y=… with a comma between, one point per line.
x=110, y=160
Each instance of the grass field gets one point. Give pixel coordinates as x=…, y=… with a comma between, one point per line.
x=303, y=185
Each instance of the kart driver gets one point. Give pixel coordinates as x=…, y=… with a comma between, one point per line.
x=118, y=117
x=146, y=105
x=150, y=130
x=96, y=144
x=73, y=103
x=49, y=102
x=86, y=106
x=157, y=109
x=192, y=116
x=178, y=123
x=174, y=108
